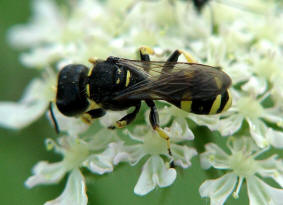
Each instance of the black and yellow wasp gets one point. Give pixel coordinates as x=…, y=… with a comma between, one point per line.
x=118, y=84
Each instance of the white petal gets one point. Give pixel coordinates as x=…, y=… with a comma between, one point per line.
x=74, y=192
x=273, y=115
x=46, y=173
x=261, y=193
x=111, y=117
x=180, y=131
x=258, y=131
x=204, y=162
x=101, y=139
x=37, y=88
x=51, y=54
x=132, y=154
x=245, y=144
x=17, y=115
x=73, y=126
x=228, y=126
x=239, y=72
x=214, y=156
x=218, y=190
x=275, y=138
x=272, y=167
x=255, y=86
x=154, y=173
x=209, y=121
x=45, y=21
x=139, y=133
x=182, y=155
x=103, y=163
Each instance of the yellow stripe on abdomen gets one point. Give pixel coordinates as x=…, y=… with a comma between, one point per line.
x=229, y=102
x=186, y=105
x=215, y=106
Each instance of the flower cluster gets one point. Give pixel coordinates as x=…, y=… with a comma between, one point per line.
x=245, y=40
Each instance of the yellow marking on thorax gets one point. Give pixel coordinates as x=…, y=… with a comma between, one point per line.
x=229, y=102
x=128, y=78
x=87, y=90
x=89, y=72
x=186, y=105
x=119, y=71
x=216, y=104
x=92, y=105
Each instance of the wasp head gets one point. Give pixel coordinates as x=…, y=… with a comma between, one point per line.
x=71, y=98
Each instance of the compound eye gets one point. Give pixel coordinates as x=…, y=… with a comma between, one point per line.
x=71, y=98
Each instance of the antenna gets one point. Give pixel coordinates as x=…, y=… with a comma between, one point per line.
x=55, y=123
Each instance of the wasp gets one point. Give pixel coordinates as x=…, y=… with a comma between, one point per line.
x=118, y=84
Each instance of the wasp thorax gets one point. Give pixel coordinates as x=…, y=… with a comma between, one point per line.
x=71, y=98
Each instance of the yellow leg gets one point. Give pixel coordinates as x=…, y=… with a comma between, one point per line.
x=127, y=119
x=92, y=60
x=120, y=124
x=144, y=53
x=86, y=118
x=145, y=50
x=188, y=57
x=163, y=134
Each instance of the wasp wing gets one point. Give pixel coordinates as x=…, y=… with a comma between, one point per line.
x=174, y=81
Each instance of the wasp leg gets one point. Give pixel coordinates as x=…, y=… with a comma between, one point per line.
x=188, y=57
x=144, y=53
x=127, y=119
x=92, y=114
x=175, y=55
x=92, y=60
x=173, y=58
x=97, y=113
x=154, y=121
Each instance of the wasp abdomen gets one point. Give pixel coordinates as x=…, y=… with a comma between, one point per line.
x=212, y=106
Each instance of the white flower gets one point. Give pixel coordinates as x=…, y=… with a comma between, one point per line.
x=32, y=105
x=169, y=112
x=243, y=166
x=181, y=116
x=250, y=108
x=103, y=162
x=76, y=153
x=74, y=192
x=44, y=27
x=111, y=117
x=87, y=30
x=156, y=172
x=246, y=43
